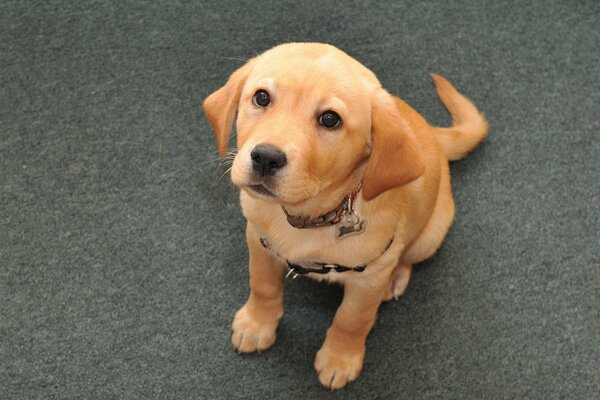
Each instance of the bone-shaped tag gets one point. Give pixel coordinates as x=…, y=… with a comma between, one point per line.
x=350, y=229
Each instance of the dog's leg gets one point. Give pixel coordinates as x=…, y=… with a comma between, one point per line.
x=340, y=359
x=255, y=323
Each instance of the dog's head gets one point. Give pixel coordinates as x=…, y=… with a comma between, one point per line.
x=312, y=121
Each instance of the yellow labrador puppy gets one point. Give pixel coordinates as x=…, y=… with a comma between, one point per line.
x=340, y=181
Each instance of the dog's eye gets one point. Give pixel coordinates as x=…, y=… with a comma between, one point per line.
x=330, y=119
x=261, y=98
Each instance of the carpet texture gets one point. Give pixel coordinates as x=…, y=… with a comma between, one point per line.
x=122, y=252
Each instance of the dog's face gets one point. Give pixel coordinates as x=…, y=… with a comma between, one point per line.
x=305, y=123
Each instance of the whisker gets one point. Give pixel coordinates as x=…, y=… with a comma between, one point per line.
x=226, y=165
x=210, y=160
x=314, y=178
x=234, y=58
x=228, y=170
x=306, y=194
x=217, y=179
x=229, y=156
x=248, y=46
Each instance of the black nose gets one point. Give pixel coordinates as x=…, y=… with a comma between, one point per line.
x=267, y=159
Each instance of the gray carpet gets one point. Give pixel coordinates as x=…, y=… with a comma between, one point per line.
x=122, y=254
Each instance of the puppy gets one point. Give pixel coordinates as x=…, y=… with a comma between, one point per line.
x=340, y=181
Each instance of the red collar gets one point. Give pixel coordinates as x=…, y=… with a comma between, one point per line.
x=330, y=218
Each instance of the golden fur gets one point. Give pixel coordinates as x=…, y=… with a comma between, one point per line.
x=383, y=144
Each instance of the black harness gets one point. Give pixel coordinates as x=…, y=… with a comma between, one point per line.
x=324, y=268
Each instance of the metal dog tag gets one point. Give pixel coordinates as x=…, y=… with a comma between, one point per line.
x=350, y=225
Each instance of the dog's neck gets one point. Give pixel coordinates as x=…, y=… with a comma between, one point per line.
x=329, y=200
x=344, y=210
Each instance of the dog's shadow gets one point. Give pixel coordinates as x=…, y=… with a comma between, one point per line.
x=310, y=307
x=309, y=310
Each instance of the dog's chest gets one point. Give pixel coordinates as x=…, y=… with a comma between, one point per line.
x=358, y=245
x=317, y=254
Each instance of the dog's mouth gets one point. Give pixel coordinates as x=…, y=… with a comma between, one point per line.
x=262, y=189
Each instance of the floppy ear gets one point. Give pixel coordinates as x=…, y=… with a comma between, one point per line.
x=221, y=106
x=395, y=156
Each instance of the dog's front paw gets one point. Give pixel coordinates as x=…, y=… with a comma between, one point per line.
x=251, y=334
x=338, y=368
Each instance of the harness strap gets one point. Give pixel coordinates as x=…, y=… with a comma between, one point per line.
x=325, y=267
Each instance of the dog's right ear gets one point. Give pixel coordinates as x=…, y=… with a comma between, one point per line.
x=221, y=106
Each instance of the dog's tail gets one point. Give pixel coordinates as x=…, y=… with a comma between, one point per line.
x=469, y=126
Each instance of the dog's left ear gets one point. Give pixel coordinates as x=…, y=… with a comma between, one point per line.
x=395, y=156
x=221, y=106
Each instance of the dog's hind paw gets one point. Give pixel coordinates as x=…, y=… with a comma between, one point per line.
x=398, y=282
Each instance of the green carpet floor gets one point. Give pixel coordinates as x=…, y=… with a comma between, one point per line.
x=122, y=253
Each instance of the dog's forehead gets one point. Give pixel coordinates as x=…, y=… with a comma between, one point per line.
x=313, y=65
